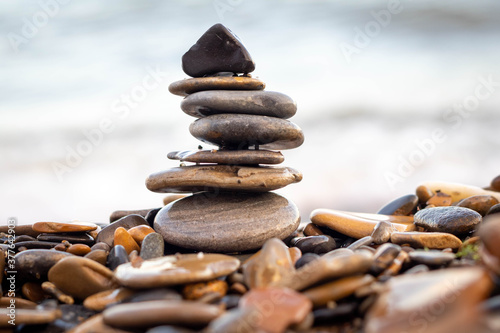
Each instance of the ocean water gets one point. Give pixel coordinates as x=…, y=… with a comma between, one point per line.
x=371, y=96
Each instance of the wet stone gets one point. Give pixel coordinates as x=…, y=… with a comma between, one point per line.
x=152, y=246
x=73, y=238
x=33, y=291
x=431, y=258
x=140, y=232
x=365, y=241
x=117, y=257
x=235, y=157
x=315, y=244
x=216, y=178
x=59, y=227
x=107, y=233
x=305, y=259
x=479, y=203
x=454, y=220
x=190, y=86
x=155, y=313
x=400, y=206
x=217, y=50
x=264, y=103
x=37, y=262
x=240, y=131
x=382, y=232
x=216, y=222
x=174, y=270
x=431, y=240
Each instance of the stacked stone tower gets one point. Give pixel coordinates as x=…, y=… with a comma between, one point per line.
x=232, y=208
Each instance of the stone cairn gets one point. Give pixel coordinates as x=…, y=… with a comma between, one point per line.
x=231, y=208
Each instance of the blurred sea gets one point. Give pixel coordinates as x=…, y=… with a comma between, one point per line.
x=360, y=118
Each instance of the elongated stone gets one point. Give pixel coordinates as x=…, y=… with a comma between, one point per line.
x=431, y=258
x=174, y=270
x=401, y=206
x=351, y=225
x=431, y=240
x=235, y=157
x=25, y=229
x=37, y=262
x=454, y=220
x=459, y=191
x=81, y=238
x=190, y=86
x=198, y=178
x=213, y=222
x=240, y=131
x=60, y=227
x=264, y=103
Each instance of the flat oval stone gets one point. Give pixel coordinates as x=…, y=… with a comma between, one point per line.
x=453, y=220
x=118, y=214
x=263, y=103
x=81, y=277
x=431, y=240
x=73, y=238
x=239, y=157
x=176, y=269
x=217, y=50
x=401, y=206
x=38, y=262
x=24, y=229
x=459, y=191
x=152, y=246
x=315, y=244
x=107, y=233
x=227, y=222
x=155, y=313
x=352, y=225
x=240, y=131
x=190, y=86
x=431, y=258
x=479, y=203
x=58, y=227
x=198, y=178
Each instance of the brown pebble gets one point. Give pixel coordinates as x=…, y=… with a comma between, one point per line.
x=101, y=246
x=424, y=193
x=431, y=240
x=172, y=197
x=99, y=301
x=495, y=184
x=238, y=288
x=33, y=291
x=118, y=214
x=100, y=256
x=295, y=254
x=440, y=199
x=79, y=249
x=60, y=247
x=479, y=203
x=195, y=291
x=139, y=232
x=312, y=230
x=122, y=237
x=51, y=289
x=59, y=227
x=336, y=290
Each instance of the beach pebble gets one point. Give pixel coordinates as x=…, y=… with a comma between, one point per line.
x=101, y=300
x=495, y=183
x=234, y=157
x=288, y=307
x=440, y=199
x=37, y=262
x=240, y=131
x=382, y=232
x=196, y=178
x=139, y=232
x=59, y=227
x=107, y=233
x=117, y=256
x=217, y=50
x=123, y=238
x=479, y=203
x=81, y=277
x=73, y=238
x=305, y=259
x=194, y=291
x=383, y=257
x=312, y=230
x=152, y=246
x=264, y=103
x=189, y=86
x=118, y=214
x=431, y=258
x=217, y=221
x=431, y=240
x=315, y=244
x=175, y=270
x=401, y=206
x=79, y=249
x=494, y=210
x=423, y=193
x=454, y=220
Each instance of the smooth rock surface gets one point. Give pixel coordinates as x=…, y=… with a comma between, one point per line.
x=239, y=157
x=479, y=203
x=352, y=225
x=454, y=220
x=458, y=191
x=81, y=277
x=401, y=206
x=82, y=238
x=176, y=269
x=383, y=257
x=431, y=258
x=227, y=222
x=38, y=262
x=123, y=238
x=315, y=244
x=240, y=131
x=107, y=233
x=190, y=86
x=198, y=178
x=382, y=232
x=431, y=240
x=263, y=103
x=152, y=246
x=217, y=50
x=58, y=227
x=117, y=256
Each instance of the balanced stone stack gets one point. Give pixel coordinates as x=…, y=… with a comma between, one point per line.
x=231, y=208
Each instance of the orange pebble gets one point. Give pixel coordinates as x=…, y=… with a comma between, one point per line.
x=79, y=249
x=295, y=254
x=139, y=232
x=33, y=291
x=122, y=237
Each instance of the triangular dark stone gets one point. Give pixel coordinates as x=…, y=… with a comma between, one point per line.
x=218, y=50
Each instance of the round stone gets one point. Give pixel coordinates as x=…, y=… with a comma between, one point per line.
x=240, y=131
x=263, y=103
x=197, y=178
x=479, y=203
x=452, y=219
x=227, y=222
x=238, y=157
x=189, y=86
x=175, y=269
